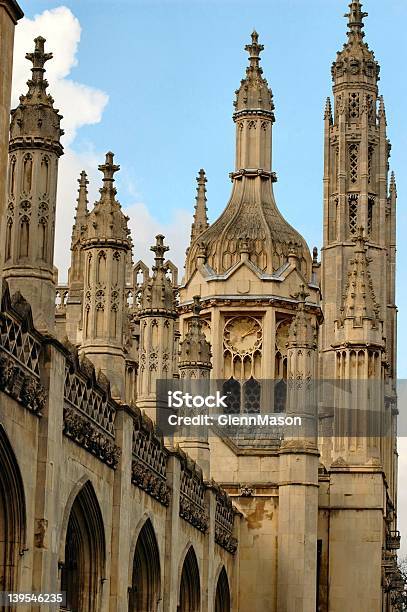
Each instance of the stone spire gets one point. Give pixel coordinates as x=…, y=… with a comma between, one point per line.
x=81, y=211
x=359, y=298
x=355, y=23
x=157, y=293
x=35, y=116
x=105, y=243
x=200, y=222
x=251, y=226
x=254, y=92
x=76, y=272
x=34, y=151
x=195, y=350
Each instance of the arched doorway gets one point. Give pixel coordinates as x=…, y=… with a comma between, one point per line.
x=12, y=516
x=222, y=598
x=145, y=591
x=83, y=568
x=190, y=587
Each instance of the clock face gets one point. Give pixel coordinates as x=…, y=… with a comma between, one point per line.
x=243, y=335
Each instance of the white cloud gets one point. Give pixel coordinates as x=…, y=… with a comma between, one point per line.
x=144, y=228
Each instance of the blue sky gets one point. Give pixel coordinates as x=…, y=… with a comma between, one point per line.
x=170, y=69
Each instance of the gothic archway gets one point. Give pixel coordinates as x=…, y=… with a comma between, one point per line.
x=145, y=590
x=83, y=568
x=222, y=597
x=190, y=587
x=12, y=516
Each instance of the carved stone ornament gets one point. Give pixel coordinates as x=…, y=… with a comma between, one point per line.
x=89, y=437
x=145, y=478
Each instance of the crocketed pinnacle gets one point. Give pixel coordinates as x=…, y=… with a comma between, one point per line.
x=393, y=184
x=35, y=117
x=106, y=222
x=157, y=292
x=355, y=62
x=200, y=222
x=302, y=332
x=254, y=92
x=359, y=298
x=81, y=211
x=355, y=23
x=195, y=350
x=37, y=85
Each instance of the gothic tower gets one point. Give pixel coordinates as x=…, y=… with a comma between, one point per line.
x=105, y=243
x=356, y=186
x=34, y=152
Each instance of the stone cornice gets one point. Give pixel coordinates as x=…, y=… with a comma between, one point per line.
x=35, y=142
x=13, y=9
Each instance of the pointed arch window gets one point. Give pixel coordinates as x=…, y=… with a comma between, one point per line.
x=146, y=580
x=370, y=216
x=12, y=176
x=222, y=597
x=27, y=174
x=251, y=396
x=190, y=588
x=9, y=233
x=353, y=162
x=24, y=236
x=84, y=562
x=353, y=213
x=43, y=239
x=231, y=388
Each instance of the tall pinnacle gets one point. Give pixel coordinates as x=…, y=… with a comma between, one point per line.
x=109, y=169
x=159, y=249
x=81, y=206
x=359, y=298
x=200, y=222
x=254, y=50
x=37, y=84
x=254, y=92
x=355, y=23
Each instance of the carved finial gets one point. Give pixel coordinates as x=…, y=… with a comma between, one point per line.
x=254, y=50
x=200, y=222
x=82, y=205
x=38, y=59
x=355, y=23
x=108, y=168
x=315, y=255
x=159, y=249
x=328, y=110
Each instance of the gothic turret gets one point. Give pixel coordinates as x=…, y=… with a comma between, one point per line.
x=200, y=222
x=34, y=151
x=251, y=219
x=105, y=244
x=195, y=350
x=158, y=337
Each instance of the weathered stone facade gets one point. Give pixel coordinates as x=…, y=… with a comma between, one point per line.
x=94, y=501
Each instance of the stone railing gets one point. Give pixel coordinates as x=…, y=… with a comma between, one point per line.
x=89, y=411
x=149, y=463
x=224, y=521
x=192, y=505
x=20, y=349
